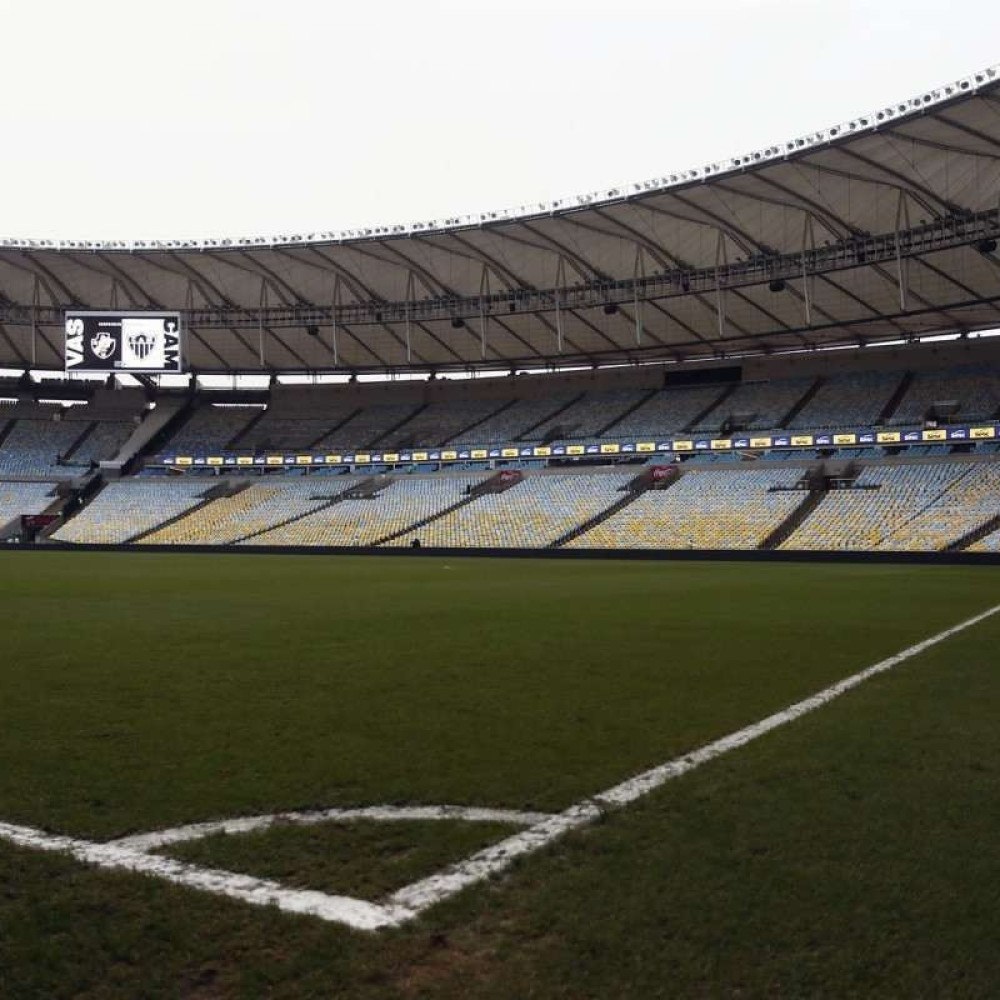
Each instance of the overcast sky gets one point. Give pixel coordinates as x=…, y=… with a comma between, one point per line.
x=237, y=117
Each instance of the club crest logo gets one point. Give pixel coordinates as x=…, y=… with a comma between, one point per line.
x=103, y=345
x=141, y=345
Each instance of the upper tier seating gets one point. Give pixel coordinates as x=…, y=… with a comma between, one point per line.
x=863, y=519
x=532, y=514
x=103, y=442
x=667, y=412
x=256, y=508
x=976, y=390
x=768, y=402
x=211, y=428
x=281, y=430
x=361, y=522
x=513, y=423
x=368, y=427
x=127, y=507
x=439, y=421
x=852, y=400
x=33, y=447
x=589, y=415
x=704, y=509
x=23, y=498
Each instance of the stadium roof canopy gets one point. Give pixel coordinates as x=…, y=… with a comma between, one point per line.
x=882, y=228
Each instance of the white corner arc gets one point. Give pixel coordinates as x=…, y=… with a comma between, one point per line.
x=135, y=853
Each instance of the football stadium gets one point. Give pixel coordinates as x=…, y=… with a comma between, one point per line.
x=592, y=599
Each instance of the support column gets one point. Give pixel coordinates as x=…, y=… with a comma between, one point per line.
x=902, y=265
x=35, y=302
x=721, y=260
x=484, y=295
x=638, y=278
x=808, y=243
x=260, y=322
x=334, y=310
x=409, y=306
x=560, y=284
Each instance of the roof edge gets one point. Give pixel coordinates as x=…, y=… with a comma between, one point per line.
x=962, y=88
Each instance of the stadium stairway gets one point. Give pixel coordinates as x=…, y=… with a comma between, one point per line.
x=234, y=442
x=5, y=430
x=153, y=432
x=357, y=491
x=633, y=490
x=523, y=435
x=971, y=537
x=331, y=430
x=621, y=416
x=499, y=483
x=814, y=495
x=929, y=504
x=800, y=405
x=896, y=398
x=75, y=446
x=70, y=500
x=403, y=442
x=219, y=492
x=696, y=420
x=482, y=420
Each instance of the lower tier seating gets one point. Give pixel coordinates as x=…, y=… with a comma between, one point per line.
x=970, y=499
x=991, y=543
x=731, y=509
x=256, y=508
x=889, y=507
x=128, y=507
x=360, y=522
x=23, y=498
x=532, y=514
x=901, y=506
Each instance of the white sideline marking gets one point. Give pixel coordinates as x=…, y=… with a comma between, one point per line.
x=496, y=858
x=131, y=853
x=260, y=892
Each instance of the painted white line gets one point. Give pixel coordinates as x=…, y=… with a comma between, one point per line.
x=382, y=814
x=356, y=913
x=130, y=853
x=494, y=859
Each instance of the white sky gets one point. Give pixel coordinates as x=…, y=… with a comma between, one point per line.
x=194, y=118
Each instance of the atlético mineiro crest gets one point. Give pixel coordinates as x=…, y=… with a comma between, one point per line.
x=141, y=345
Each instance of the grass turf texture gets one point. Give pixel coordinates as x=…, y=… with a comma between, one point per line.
x=850, y=853
x=362, y=859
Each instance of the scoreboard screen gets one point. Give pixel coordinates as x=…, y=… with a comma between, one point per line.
x=123, y=342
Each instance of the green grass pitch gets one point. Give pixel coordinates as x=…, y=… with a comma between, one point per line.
x=851, y=853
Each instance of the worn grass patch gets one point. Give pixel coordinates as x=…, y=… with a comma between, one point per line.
x=359, y=858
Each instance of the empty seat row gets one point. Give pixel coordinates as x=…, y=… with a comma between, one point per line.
x=732, y=509
x=532, y=514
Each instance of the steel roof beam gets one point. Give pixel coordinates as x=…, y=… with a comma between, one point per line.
x=920, y=193
x=839, y=228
